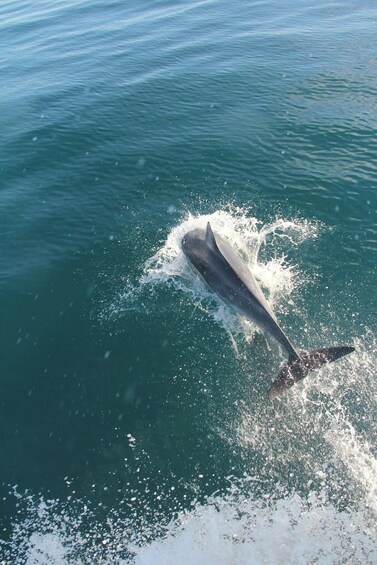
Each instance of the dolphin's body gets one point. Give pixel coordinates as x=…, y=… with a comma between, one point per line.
x=230, y=278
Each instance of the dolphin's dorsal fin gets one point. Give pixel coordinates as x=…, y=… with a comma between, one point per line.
x=210, y=239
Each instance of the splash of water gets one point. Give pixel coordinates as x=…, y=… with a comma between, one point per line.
x=245, y=235
x=248, y=236
x=238, y=526
x=239, y=529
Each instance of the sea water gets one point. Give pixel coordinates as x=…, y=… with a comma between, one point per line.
x=134, y=421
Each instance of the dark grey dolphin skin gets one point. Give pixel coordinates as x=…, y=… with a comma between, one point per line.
x=230, y=278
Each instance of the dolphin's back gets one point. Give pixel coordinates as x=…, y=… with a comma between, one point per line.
x=238, y=265
x=228, y=275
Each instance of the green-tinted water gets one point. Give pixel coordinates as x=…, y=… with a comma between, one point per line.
x=127, y=391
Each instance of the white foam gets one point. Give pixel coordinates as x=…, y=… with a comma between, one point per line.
x=234, y=528
x=240, y=530
x=46, y=548
x=356, y=454
x=352, y=435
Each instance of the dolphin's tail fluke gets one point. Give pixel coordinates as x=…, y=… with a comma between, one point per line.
x=298, y=367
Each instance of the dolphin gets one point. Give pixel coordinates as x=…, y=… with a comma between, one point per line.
x=230, y=278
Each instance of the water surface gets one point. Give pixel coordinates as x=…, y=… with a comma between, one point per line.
x=134, y=422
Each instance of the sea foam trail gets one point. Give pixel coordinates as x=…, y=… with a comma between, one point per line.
x=284, y=531
x=236, y=527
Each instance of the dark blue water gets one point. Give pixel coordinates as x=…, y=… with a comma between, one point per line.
x=134, y=422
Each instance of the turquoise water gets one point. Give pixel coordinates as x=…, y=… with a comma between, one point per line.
x=134, y=421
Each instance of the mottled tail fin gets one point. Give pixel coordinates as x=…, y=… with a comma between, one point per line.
x=297, y=368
